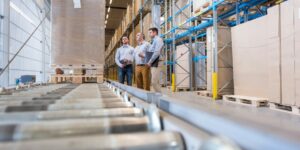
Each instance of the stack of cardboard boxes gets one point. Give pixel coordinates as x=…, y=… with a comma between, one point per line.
x=266, y=55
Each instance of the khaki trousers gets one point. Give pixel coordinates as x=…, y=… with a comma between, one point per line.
x=155, y=76
x=142, y=75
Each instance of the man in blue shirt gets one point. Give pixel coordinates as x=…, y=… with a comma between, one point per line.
x=155, y=60
x=124, y=59
x=142, y=72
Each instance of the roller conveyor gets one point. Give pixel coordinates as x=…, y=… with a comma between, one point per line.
x=70, y=114
x=133, y=141
x=62, y=128
x=84, y=115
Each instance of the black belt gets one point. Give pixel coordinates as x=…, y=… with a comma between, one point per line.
x=140, y=65
x=129, y=65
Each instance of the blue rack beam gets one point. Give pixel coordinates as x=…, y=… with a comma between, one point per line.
x=209, y=23
x=193, y=18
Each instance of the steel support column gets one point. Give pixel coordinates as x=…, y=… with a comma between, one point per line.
x=5, y=29
x=215, y=49
x=173, y=49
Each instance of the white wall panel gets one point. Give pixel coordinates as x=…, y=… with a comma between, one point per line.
x=25, y=16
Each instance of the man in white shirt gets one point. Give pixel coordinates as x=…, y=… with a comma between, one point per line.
x=124, y=59
x=142, y=72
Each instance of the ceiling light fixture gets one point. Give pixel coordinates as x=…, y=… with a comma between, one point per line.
x=18, y=10
x=108, y=10
x=77, y=3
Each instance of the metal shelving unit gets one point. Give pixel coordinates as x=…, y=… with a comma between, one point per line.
x=220, y=12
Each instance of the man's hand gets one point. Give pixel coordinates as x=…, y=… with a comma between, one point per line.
x=148, y=65
x=141, y=55
x=122, y=66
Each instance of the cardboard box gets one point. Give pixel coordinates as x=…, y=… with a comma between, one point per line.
x=279, y=32
x=273, y=54
x=287, y=53
x=182, y=67
x=249, y=58
x=297, y=48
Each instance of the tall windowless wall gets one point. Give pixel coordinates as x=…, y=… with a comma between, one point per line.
x=19, y=19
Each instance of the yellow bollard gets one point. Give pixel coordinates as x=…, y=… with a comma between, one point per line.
x=173, y=82
x=215, y=85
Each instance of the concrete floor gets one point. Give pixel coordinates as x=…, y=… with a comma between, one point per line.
x=262, y=118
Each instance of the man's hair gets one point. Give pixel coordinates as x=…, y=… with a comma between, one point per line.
x=153, y=29
x=125, y=36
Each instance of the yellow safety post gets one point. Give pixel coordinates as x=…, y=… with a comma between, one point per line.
x=173, y=82
x=215, y=85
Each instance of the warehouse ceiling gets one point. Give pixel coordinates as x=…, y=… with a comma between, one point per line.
x=117, y=10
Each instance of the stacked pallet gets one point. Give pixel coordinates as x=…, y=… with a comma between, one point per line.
x=266, y=60
x=182, y=68
x=66, y=22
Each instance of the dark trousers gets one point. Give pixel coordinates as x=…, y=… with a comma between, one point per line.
x=125, y=72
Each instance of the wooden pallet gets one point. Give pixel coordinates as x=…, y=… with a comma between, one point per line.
x=205, y=93
x=285, y=108
x=77, y=66
x=76, y=79
x=182, y=89
x=179, y=89
x=246, y=100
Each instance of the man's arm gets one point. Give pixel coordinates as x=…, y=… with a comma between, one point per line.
x=159, y=45
x=117, y=57
x=144, y=50
x=130, y=55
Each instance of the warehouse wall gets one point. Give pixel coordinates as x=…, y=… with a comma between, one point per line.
x=20, y=20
